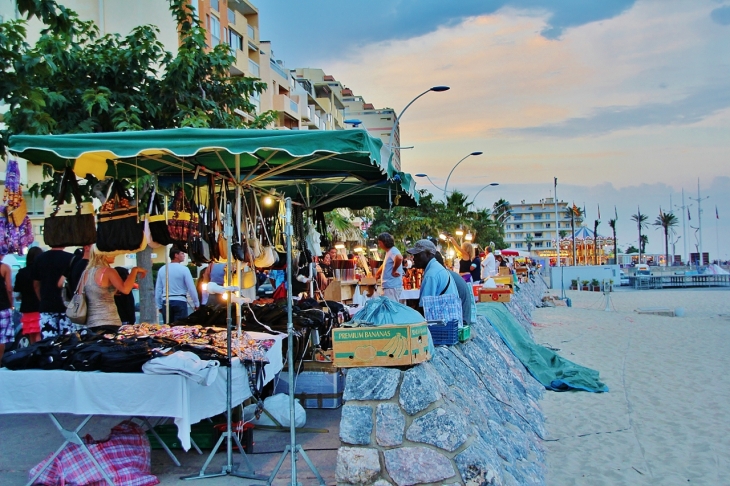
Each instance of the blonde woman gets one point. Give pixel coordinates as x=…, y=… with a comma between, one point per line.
x=469, y=263
x=101, y=282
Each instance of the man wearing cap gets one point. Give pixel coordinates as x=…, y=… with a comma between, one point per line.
x=436, y=279
x=180, y=287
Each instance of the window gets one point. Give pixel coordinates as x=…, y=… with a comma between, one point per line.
x=518, y=226
x=214, y=28
x=538, y=235
x=235, y=40
x=547, y=225
x=215, y=5
x=34, y=204
x=519, y=245
x=231, y=16
x=538, y=216
x=517, y=217
x=548, y=244
x=538, y=244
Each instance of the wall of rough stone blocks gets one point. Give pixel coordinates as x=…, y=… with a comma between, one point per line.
x=469, y=416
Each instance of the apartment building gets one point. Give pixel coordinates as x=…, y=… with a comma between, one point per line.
x=325, y=109
x=536, y=220
x=283, y=93
x=377, y=121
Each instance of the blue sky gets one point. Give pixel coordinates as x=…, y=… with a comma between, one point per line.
x=626, y=102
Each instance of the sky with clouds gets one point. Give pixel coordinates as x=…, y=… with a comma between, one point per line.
x=625, y=102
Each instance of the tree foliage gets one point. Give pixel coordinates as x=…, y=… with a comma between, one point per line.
x=640, y=219
x=407, y=225
x=666, y=221
x=75, y=81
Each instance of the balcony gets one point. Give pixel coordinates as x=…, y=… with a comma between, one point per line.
x=307, y=113
x=253, y=69
x=317, y=121
x=284, y=104
x=276, y=67
x=251, y=31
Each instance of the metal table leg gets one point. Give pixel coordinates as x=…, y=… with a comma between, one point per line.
x=71, y=436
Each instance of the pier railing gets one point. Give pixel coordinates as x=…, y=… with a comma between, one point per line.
x=678, y=281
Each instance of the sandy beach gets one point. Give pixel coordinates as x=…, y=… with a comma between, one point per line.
x=665, y=419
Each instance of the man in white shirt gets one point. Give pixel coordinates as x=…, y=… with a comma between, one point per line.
x=390, y=271
x=489, y=265
x=181, y=286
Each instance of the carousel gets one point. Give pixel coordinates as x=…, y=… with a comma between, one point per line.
x=590, y=248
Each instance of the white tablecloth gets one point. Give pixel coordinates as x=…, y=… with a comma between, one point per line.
x=130, y=394
x=410, y=294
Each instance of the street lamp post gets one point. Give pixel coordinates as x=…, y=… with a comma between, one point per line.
x=396, y=122
x=491, y=184
x=429, y=180
x=455, y=166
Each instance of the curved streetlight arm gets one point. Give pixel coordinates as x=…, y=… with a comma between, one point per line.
x=396, y=122
x=452, y=171
x=434, y=184
x=480, y=190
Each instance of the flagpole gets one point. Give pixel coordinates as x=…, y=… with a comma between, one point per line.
x=557, y=226
x=717, y=235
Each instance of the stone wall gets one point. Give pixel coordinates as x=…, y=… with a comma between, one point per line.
x=468, y=416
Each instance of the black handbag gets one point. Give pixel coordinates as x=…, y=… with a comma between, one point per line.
x=118, y=227
x=69, y=224
x=158, y=233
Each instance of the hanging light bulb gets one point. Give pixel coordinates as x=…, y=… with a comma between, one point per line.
x=469, y=236
x=358, y=249
x=224, y=296
x=459, y=232
x=451, y=253
x=205, y=287
x=340, y=245
x=442, y=236
x=268, y=201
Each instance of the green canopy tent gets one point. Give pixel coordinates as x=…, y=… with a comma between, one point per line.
x=255, y=158
x=335, y=168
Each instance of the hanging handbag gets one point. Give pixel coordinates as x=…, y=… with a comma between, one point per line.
x=220, y=208
x=268, y=256
x=69, y=224
x=249, y=277
x=210, y=222
x=76, y=310
x=183, y=223
x=118, y=228
x=16, y=209
x=198, y=247
x=155, y=226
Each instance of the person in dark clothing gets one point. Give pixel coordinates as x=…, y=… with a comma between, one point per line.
x=125, y=302
x=30, y=315
x=47, y=272
x=77, y=267
x=7, y=331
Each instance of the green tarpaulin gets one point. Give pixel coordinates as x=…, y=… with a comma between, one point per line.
x=550, y=369
x=347, y=163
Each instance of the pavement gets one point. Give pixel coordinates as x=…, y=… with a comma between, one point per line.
x=25, y=440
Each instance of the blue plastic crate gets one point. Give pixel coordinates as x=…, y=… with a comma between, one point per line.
x=444, y=334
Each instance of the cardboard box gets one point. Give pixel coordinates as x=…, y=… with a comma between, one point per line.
x=389, y=345
x=368, y=281
x=504, y=271
x=495, y=295
x=318, y=385
x=504, y=280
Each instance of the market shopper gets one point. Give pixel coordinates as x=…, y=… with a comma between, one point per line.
x=100, y=283
x=390, y=272
x=489, y=264
x=216, y=273
x=30, y=316
x=7, y=331
x=436, y=279
x=125, y=302
x=469, y=263
x=47, y=271
x=181, y=286
x=325, y=273
x=468, y=308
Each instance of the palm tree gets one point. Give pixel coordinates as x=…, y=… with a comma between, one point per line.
x=528, y=240
x=595, y=238
x=576, y=215
x=667, y=221
x=640, y=219
x=642, y=247
x=612, y=224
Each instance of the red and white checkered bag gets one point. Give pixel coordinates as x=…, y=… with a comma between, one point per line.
x=124, y=456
